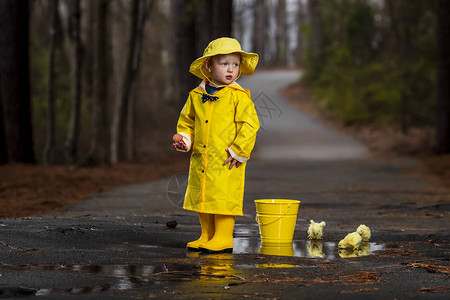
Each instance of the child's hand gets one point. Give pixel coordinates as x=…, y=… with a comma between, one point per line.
x=180, y=145
x=178, y=142
x=232, y=160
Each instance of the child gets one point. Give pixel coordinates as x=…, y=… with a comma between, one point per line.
x=219, y=123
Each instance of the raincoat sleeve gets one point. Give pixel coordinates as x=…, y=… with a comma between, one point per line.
x=186, y=122
x=247, y=122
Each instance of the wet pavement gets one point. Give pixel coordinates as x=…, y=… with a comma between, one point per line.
x=58, y=258
x=124, y=243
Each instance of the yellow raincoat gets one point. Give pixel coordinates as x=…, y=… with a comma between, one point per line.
x=230, y=122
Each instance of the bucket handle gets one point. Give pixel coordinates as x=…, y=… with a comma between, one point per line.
x=285, y=212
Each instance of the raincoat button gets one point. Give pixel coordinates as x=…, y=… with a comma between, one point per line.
x=204, y=146
x=206, y=121
x=203, y=171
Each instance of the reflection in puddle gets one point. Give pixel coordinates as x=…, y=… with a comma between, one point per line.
x=218, y=267
x=279, y=250
x=364, y=249
x=122, y=277
x=310, y=249
x=279, y=266
x=119, y=271
x=246, y=230
x=315, y=249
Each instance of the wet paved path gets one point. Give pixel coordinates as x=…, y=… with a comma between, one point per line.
x=116, y=245
x=287, y=133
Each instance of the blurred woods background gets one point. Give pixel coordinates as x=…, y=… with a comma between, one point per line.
x=88, y=82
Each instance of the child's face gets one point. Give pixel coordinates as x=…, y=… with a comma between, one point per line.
x=224, y=68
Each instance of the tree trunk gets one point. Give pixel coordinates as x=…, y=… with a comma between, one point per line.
x=131, y=128
x=98, y=154
x=203, y=29
x=316, y=25
x=281, y=34
x=260, y=31
x=3, y=150
x=15, y=82
x=49, y=149
x=301, y=45
x=139, y=13
x=185, y=48
x=442, y=137
x=222, y=19
x=74, y=119
x=121, y=105
x=213, y=19
x=89, y=50
x=101, y=110
x=393, y=36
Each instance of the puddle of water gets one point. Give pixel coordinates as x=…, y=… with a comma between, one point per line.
x=148, y=246
x=108, y=270
x=298, y=248
x=8, y=292
x=221, y=268
x=246, y=230
x=216, y=267
x=121, y=278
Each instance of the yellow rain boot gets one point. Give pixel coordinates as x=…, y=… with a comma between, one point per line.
x=207, y=224
x=222, y=242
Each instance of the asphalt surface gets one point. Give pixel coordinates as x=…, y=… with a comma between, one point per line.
x=129, y=242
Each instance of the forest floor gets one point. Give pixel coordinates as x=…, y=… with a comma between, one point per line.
x=27, y=190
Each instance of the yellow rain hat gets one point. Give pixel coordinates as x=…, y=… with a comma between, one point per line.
x=224, y=45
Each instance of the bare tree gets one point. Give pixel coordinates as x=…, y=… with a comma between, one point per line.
x=203, y=18
x=17, y=143
x=55, y=37
x=74, y=119
x=260, y=30
x=185, y=47
x=301, y=41
x=131, y=127
x=101, y=107
x=139, y=14
x=89, y=50
x=316, y=25
x=98, y=153
x=3, y=149
x=222, y=18
x=213, y=19
x=442, y=137
x=281, y=34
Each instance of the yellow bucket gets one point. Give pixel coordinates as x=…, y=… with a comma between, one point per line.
x=276, y=219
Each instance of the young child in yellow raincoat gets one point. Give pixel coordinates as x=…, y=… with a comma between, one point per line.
x=219, y=123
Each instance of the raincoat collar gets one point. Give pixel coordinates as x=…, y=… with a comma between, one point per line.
x=201, y=88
